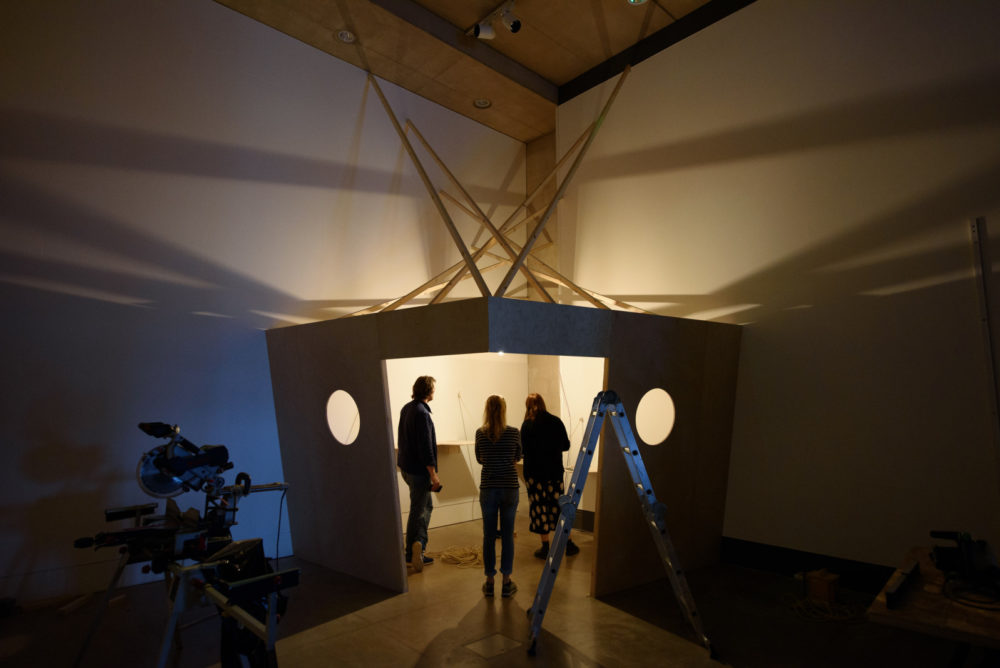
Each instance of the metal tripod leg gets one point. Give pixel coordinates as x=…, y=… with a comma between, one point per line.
x=567, y=513
x=654, y=513
x=102, y=606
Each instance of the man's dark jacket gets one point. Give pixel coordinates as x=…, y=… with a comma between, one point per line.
x=417, y=441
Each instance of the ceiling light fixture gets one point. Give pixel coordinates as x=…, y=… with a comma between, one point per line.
x=510, y=22
x=636, y=2
x=483, y=29
x=346, y=36
x=482, y=103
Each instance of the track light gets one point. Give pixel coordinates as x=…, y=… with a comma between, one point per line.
x=505, y=13
x=484, y=30
x=510, y=22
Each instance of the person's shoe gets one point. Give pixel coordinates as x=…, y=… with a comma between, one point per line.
x=428, y=560
x=508, y=589
x=543, y=551
x=488, y=588
x=417, y=556
x=571, y=548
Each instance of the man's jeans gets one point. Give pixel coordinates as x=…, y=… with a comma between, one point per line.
x=421, y=506
x=503, y=502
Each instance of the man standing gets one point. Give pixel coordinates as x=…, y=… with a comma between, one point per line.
x=417, y=460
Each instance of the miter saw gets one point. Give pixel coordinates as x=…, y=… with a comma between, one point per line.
x=180, y=465
x=235, y=576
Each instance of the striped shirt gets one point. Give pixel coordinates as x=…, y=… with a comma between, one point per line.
x=498, y=458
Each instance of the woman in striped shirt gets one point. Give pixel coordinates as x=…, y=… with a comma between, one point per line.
x=498, y=448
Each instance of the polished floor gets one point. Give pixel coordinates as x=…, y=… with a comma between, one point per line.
x=755, y=620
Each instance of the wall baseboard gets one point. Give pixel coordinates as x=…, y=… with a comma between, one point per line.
x=854, y=575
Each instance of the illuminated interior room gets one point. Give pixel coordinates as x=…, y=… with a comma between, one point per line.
x=190, y=189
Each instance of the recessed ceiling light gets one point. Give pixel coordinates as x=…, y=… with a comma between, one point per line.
x=346, y=36
x=482, y=103
x=636, y=2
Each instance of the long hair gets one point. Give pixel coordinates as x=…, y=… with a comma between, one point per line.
x=495, y=416
x=534, y=405
x=423, y=387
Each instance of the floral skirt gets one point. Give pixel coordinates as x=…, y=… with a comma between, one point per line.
x=543, y=504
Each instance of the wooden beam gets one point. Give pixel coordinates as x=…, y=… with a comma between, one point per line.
x=505, y=283
x=509, y=223
x=479, y=214
x=541, y=184
x=595, y=298
x=547, y=271
x=459, y=242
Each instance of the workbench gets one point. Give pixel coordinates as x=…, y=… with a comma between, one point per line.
x=923, y=607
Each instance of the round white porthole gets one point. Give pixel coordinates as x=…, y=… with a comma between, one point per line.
x=342, y=417
x=654, y=417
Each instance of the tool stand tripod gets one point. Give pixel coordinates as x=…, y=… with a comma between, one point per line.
x=607, y=403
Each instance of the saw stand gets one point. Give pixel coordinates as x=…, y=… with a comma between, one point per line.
x=608, y=403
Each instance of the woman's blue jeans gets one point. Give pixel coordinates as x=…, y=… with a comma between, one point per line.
x=500, y=501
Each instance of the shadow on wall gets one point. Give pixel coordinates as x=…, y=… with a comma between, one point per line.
x=75, y=477
x=959, y=104
x=209, y=288
x=811, y=277
x=828, y=271
x=79, y=375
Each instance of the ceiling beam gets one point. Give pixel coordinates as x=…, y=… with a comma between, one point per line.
x=456, y=38
x=687, y=25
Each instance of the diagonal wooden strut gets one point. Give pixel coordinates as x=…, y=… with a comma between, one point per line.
x=483, y=218
x=456, y=271
x=547, y=271
x=533, y=237
x=469, y=262
x=509, y=223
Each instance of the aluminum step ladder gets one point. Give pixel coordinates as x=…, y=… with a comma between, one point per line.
x=607, y=403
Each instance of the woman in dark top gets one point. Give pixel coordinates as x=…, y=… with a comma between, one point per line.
x=498, y=448
x=544, y=439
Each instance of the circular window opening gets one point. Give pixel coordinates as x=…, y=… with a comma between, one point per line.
x=342, y=417
x=654, y=417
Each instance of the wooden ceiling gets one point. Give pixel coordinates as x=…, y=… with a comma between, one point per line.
x=563, y=48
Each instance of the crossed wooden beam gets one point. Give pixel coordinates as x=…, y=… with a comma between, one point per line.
x=509, y=253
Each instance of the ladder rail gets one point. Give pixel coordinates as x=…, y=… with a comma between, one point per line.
x=654, y=513
x=608, y=404
x=567, y=514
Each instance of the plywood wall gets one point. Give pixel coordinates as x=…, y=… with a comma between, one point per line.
x=339, y=492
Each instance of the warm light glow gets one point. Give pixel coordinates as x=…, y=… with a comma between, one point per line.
x=342, y=417
x=76, y=290
x=654, y=416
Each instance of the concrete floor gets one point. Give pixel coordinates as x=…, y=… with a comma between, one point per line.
x=755, y=620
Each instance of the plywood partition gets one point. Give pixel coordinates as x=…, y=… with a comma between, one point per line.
x=695, y=362
x=339, y=493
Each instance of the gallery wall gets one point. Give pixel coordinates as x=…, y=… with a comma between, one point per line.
x=810, y=170
x=175, y=179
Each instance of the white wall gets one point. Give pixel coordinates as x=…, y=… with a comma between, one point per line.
x=463, y=384
x=174, y=179
x=810, y=170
